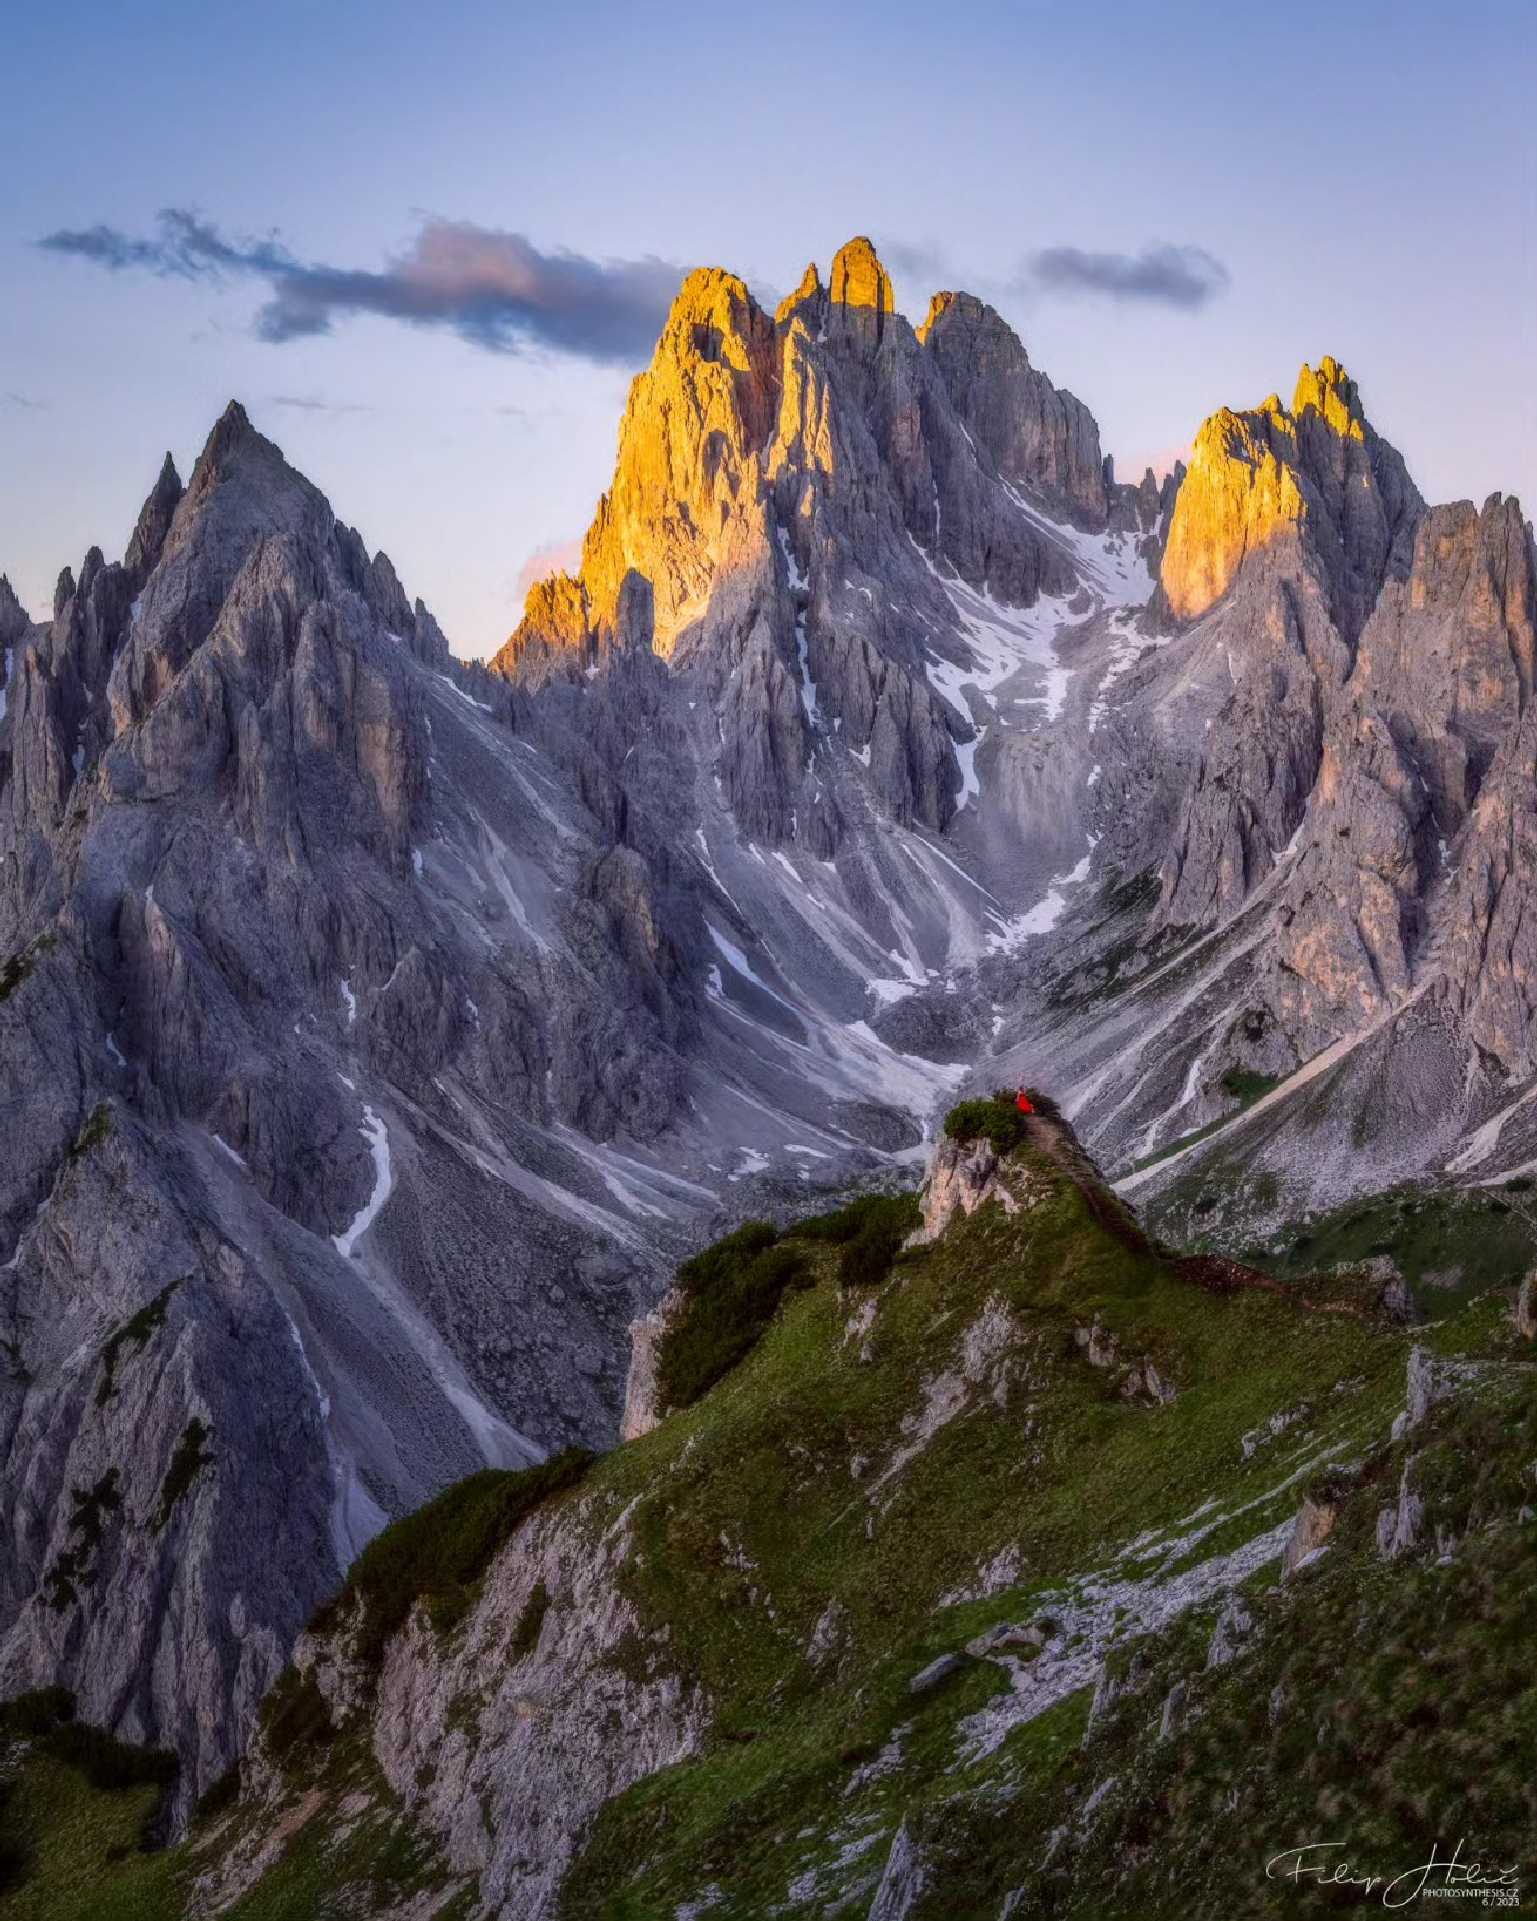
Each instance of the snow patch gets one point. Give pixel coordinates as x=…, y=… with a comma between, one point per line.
x=1009, y=931
x=376, y=1134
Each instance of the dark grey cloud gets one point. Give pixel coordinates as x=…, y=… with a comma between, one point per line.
x=495, y=289
x=1175, y=276
x=25, y=402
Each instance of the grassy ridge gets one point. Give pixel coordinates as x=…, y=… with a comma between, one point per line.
x=881, y=1463
x=777, y=1521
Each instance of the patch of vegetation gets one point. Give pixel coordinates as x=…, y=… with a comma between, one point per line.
x=187, y=1463
x=869, y=1255
x=1450, y=1244
x=97, y=1128
x=1246, y=1087
x=295, y=1717
x=17, y=967
x=526, y=1635
x=350, y=1848
x=45, y=1721
x=995, y=1119
x=1134, y=894
x=137, y=1330
x=28, y=1717
x=731, y=1292
x=75, y=1568
x=870, y=1231
x=440, y=1554
x=220, y=1797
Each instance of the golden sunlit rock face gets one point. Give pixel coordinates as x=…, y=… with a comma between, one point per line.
x=1255, y=478
x=685, y=502
x=859, y=279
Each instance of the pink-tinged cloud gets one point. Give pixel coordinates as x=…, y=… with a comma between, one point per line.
x=493, y=288
x=559, y=557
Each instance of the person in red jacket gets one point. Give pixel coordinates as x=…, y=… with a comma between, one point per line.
x=1023, y=1103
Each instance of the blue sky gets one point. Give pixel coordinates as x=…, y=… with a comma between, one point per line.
x=1365, y=176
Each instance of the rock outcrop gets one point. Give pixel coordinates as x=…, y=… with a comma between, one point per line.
x=963, y=1176
x=642, y=1395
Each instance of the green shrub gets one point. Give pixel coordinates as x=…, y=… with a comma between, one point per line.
x=295, y=1716
x=868, y=1257
x=526, y=1635
x=731, y=1292
x=75, y=1568
x=30, y=1716
x=1243, y=1084
x=221, y=1796
x=187, y=1463
x=98, y=1125
x=110, y=1764
x=16, y=967
x=995, y=1118
x=439, y=1554
x=138, y=1328
x=841, y=1226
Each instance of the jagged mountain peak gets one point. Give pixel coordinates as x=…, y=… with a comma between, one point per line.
x=14, y=619
x=154, y=522
x=1330, y=391
x=1318, y=479
x=810, y=288
x=794, y=493
x=859, y=280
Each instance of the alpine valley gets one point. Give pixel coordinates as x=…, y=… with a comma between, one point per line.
x=538, y=1375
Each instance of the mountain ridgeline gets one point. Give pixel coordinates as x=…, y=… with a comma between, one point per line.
x=379, y=1032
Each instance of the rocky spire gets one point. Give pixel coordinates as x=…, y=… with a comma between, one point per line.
x=14, y=621
x=1317, y=481
x=154, y=522
x=809, y=290
x=859, y=280
x=794, y=492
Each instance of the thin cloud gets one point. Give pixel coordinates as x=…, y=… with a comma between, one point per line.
x=25, y=402
x=1184, y=277
x=299, y=403
x=493, y=288
x=556, y=557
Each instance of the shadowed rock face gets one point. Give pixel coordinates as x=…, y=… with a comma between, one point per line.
x=234, y=1023
x=1038, y=436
